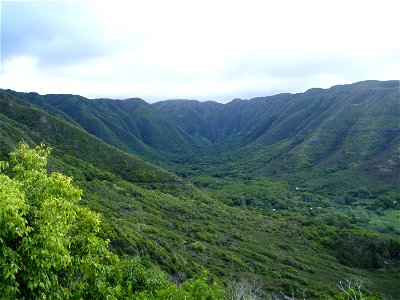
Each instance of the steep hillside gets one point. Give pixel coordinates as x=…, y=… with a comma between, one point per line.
x=152, y=213
x=22, y=120
x=192, y=116
x=336, y=139
x=345, y=132
x=286, y=114
x=132, y=125
x=352, y=132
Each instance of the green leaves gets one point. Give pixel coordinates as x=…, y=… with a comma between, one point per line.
x=193, y=289
x=50, y=248
x=28, y=161
x=48, y=243
x=274, y=232
x=13, y=228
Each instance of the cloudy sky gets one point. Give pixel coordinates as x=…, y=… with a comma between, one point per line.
x=205, y=50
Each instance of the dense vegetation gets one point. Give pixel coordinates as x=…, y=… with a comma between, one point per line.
x=292, y=198
x=331, y=141
x=131, y=125
x=51, y=247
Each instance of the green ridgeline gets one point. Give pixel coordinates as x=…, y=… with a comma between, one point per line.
x=221, y=217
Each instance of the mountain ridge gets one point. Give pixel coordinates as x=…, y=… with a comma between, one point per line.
x=223, y=212
x=345, y=129
x=131, y=124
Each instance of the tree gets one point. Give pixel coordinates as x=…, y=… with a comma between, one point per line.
x=49, y=247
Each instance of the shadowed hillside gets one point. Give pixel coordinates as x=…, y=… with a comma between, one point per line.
x=349, y=131
x=293, y=192
x=132, y=125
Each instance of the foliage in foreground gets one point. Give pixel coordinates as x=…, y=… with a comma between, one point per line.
x=50, y=246
x=264, y=233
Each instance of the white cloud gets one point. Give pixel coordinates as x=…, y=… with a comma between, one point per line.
x=196, y=49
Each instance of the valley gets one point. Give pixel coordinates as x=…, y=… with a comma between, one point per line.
x=293, y=192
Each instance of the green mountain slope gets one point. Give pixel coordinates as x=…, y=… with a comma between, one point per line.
x=356, y=135
x=132, y=125
x=287, y=114
x=335, y=140
x=22, y=120
x=349, y=131
x=192, y=116
x=151, y=212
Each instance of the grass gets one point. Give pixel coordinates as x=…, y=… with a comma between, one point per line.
x=221, y=216
x=385, y=221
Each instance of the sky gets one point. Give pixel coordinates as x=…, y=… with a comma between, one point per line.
x=205, y=50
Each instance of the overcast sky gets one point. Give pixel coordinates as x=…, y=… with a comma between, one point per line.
x=205, y=50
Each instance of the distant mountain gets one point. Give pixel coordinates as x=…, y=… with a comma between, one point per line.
x=333, y=139
x=275, y=117
x=21, y=120
x=341, y=132
x=132, y=125
x=193, y=117
x=269, y=233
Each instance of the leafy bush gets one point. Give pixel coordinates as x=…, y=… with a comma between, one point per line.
x=50, y=246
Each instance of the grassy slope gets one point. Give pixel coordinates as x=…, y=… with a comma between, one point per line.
x=192, y=116
x=131, y=125
x=331, y=140
x=148, y=211
x=25, y=121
